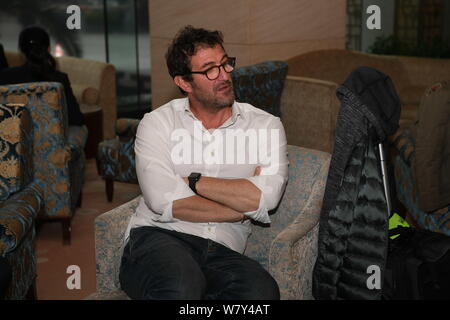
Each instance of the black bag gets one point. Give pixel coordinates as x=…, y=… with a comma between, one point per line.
x=417, y=266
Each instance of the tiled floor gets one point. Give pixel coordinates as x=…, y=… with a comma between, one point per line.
x=53, y=258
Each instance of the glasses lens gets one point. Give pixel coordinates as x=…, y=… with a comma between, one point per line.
x=213, y=73
x=229, y=65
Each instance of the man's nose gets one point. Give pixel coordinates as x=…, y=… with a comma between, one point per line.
x=223, y=75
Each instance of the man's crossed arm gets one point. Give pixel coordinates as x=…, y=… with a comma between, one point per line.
x=219, y=200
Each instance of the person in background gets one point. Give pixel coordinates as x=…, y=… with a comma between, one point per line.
x=34, y=43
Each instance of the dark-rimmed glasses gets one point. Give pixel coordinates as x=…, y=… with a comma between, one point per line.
x=214, y=72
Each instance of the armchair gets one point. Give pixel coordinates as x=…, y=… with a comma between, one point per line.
x=20, y=200
x=58, y=155
x=287, y=249
x=93, y=84
x=422, y=162
x=260, y=85
x=115, y=158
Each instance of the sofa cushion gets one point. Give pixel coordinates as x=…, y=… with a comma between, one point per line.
x=16, y=145
x=261, y=85
x=336, y=64
x=411, y=94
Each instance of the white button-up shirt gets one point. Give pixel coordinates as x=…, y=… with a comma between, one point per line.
x=171, y=143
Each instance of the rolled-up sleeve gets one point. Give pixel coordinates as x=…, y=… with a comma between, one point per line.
x=274, y=172
x=160, y=185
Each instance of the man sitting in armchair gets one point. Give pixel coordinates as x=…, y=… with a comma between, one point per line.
x=187, y=236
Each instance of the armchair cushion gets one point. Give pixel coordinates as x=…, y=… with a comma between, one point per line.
x=16, y=146
x=53, y=158
x=19, y=210
x=261, y=85
x=287, y=249
x=422, y=167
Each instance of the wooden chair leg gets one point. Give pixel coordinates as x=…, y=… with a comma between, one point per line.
x=109, y=185
x=66, y=230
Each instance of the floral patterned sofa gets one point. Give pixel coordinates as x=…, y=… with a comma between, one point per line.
x=20, y=199
x=58, y=154
x=287, y=249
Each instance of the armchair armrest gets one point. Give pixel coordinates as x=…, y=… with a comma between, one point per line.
x=293, y=252
x=17, y=215
x=110, y=228
x=77, y=137
x=309, y=109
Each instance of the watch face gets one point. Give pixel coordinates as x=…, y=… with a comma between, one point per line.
x=195, y=175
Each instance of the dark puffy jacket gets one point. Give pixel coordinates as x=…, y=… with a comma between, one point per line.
x=354, y=218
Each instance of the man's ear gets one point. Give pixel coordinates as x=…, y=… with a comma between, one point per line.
x=183, y=84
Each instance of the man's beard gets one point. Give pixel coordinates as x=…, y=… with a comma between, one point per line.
x=218, y=101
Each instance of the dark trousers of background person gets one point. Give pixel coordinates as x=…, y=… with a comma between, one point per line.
x=5, y=276
x=169, y=265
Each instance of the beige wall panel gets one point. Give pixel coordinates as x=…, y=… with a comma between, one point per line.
x=163, y=88
x=284, y=51
x=254, y=31
x=241, y=52
x=291, y=20
x=230, y=17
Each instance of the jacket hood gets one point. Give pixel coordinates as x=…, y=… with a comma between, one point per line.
x=376, y=91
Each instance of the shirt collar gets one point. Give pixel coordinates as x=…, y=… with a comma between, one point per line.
x=235, y=113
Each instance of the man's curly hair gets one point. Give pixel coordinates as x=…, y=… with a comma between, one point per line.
x=185, y=45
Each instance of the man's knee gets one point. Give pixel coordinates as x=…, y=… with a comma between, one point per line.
x=254, y=283
x=177, y=282
x=262, y=287
x=181, y=284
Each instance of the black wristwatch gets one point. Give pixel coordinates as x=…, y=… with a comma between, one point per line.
x=193, y=178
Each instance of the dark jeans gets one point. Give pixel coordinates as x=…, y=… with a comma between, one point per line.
x=163, y=264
